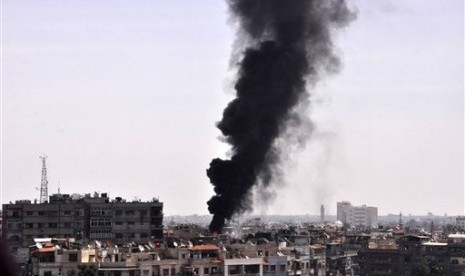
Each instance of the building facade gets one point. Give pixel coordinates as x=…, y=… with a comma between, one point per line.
x=357, y=215
x=460, y=222
x=83, y=218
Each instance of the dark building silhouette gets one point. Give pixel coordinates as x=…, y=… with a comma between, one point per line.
x=84, y=218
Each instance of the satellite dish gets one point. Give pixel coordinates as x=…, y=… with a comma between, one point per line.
x=141, y=248
x=38, y=245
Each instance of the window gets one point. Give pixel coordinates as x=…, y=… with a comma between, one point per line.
x=100, y=211
x=95, y=212
x=156, y=211
x=52, y=213
x=29, y=213
x=100, y=233
x=47, y=273
x=251, y=269
x=100, y=222
x=106, y=211
x=16, y=214
x=79, y=212
x=205, y=270
x=42, y=213
x=130, y=212
x=67, y=213
x=79, y=224
x=73, y=257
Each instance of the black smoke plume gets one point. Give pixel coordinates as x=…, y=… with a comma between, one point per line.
x=288, y=45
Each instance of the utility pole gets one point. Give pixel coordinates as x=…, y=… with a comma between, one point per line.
x=43, y=182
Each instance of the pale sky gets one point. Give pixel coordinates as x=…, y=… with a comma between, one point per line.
x=123, y=96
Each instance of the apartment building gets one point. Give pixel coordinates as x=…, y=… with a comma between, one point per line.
x=86, y=217
x=460, y=222
x=357, y=215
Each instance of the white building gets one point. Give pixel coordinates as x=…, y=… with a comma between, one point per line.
x=357, y=215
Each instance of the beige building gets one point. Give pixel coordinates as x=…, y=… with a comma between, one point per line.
x=357, y=215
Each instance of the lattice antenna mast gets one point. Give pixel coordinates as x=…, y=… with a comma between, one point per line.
x=44, y=181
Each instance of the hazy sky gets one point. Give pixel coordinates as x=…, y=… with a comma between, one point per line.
x=123, y=96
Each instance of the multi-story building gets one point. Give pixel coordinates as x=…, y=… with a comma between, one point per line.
x=415, y=255
x=357, y=215
x=460, y=222
x=456, y=253
x=138, y=221
x=84, y=218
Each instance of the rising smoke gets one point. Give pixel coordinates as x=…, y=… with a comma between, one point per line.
x=287, y=46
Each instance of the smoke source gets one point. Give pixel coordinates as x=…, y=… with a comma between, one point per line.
x=287, y=45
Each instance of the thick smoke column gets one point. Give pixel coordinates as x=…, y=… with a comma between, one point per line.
x=288, y=45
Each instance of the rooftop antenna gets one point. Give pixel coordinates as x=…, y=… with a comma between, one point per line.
x=44, y=181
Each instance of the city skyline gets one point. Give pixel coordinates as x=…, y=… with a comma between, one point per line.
x=123, y=99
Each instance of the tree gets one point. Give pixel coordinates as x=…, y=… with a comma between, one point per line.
x=436, y=269
x=421, y=269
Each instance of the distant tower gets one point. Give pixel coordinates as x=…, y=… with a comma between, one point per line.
x=322, y=213
x=401, y=221
x=43, y=182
